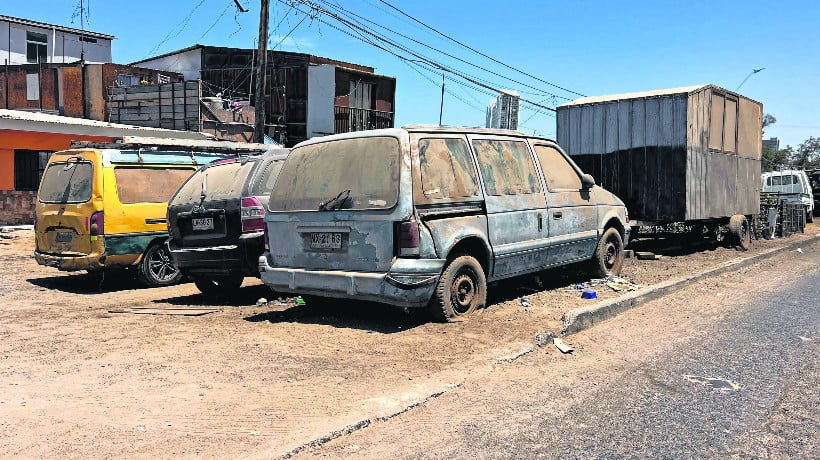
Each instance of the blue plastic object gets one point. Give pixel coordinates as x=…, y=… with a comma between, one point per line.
x=589, y=294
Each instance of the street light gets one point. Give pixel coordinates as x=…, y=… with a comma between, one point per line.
x=754, y=71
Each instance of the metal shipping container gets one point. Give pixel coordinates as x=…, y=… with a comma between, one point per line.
x=675, y=155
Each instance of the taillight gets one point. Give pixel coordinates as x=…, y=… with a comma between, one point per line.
x=97, y=226
x=408, y=239
x=267, y=243
x=253, y=215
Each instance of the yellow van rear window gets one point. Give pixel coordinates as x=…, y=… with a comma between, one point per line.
x=68, y=182
x=149, y=185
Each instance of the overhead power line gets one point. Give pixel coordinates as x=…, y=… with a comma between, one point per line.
x=415, y=56
x=479, y=52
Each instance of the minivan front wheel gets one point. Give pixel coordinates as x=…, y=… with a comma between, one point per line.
x=157, y=268
x=609, y=255
x=461, y=290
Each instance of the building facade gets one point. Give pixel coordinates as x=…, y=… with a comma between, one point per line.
x=771, y=143
x=502, y=113
x=306, y=96
x=23, y=41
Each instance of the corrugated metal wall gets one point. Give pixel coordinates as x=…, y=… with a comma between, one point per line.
x=653, y=152
x=635, y=148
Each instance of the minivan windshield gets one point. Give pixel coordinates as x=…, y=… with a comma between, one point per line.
x=360, y=173
x=67, y=182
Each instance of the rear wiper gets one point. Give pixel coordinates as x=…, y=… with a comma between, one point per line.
x=336, y=202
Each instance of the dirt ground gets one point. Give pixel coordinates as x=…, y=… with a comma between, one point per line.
x=92, y=366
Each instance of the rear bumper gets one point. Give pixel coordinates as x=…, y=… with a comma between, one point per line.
x=93, y=261
x=409, y=282
x=227, y=259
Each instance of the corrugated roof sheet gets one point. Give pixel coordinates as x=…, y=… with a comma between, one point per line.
x=44, y=25
x=67, y=122
x=620, y=97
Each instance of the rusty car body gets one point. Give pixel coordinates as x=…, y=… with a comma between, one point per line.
x=427, y=216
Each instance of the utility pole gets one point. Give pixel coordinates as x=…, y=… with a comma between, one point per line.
x=261, y=67
x=441, y=107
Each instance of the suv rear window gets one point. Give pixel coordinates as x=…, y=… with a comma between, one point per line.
x=67, y=182
x=267, y=178
x=222, y=181
x=365, y=169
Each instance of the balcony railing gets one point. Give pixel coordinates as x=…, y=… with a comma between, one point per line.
x=349, y=119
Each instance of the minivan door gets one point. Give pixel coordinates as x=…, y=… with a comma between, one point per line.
x=573, y=218
x=65, y=206
x=515, y=205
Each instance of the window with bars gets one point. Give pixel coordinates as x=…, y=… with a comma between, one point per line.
x=28, y=168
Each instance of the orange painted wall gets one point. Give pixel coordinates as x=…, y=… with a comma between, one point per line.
x=31, y=140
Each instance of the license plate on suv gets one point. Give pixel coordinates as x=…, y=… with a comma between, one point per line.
x=202, y=223
x=326, y=240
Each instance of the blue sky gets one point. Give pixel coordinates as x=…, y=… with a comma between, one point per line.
x=592, y=48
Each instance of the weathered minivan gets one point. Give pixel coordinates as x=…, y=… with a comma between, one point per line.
x=104, y=205
x=425, y=216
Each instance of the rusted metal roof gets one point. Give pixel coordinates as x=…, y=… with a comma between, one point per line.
x=44, y=25
x=642, y=94
x=46, y=122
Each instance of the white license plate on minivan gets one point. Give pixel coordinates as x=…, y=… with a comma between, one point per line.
x=326, y=240
x=203, y=223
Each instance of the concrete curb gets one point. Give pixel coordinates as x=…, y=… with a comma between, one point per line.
x=579, y=319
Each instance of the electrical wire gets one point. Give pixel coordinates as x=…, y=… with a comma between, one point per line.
x=479, y=52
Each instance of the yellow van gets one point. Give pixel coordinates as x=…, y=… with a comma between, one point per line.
x=103, y=206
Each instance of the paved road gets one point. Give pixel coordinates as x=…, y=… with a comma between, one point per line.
x=700, y=374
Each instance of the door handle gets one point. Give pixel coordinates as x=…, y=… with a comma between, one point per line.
x=557, y=215
x=540, y=222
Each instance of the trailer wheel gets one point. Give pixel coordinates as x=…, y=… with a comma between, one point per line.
x=739, y=229
x=609, y=255
x=461, y=290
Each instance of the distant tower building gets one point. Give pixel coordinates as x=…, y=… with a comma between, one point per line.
x=772, y=143
x=503, y=111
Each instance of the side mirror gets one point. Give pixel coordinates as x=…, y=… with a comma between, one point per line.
x=587, y=181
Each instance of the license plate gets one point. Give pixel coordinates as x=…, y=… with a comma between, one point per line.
x=203, y=223
x=325, y=240
x=64, y=237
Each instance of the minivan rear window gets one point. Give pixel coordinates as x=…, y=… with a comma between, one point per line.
x=359, y=173
x=67, y=182
x=222, y=181
x=149, y=185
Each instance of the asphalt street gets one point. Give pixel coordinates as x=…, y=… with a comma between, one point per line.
x=719, y=370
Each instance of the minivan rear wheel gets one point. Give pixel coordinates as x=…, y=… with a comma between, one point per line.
x=157, y=268
x=461, y=290
x=218, y=286
x=609, y=255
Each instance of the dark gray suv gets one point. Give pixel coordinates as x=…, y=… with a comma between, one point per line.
x=216, y=220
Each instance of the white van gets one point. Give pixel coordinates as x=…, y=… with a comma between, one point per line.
x=427, y=216
x=791, y=186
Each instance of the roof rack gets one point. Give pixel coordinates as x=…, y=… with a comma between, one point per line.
x=156, y=143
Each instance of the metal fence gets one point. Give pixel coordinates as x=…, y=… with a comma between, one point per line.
x=349, y=119
x=778, y=218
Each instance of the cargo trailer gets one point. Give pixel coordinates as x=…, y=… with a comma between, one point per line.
x=683, y=155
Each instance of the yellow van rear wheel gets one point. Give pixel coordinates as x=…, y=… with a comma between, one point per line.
x=157, y=267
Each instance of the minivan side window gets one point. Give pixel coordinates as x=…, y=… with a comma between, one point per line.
x=149, y=185
x=507, y=167
x=447, y=171
x=68, y=182
x=558, y=173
